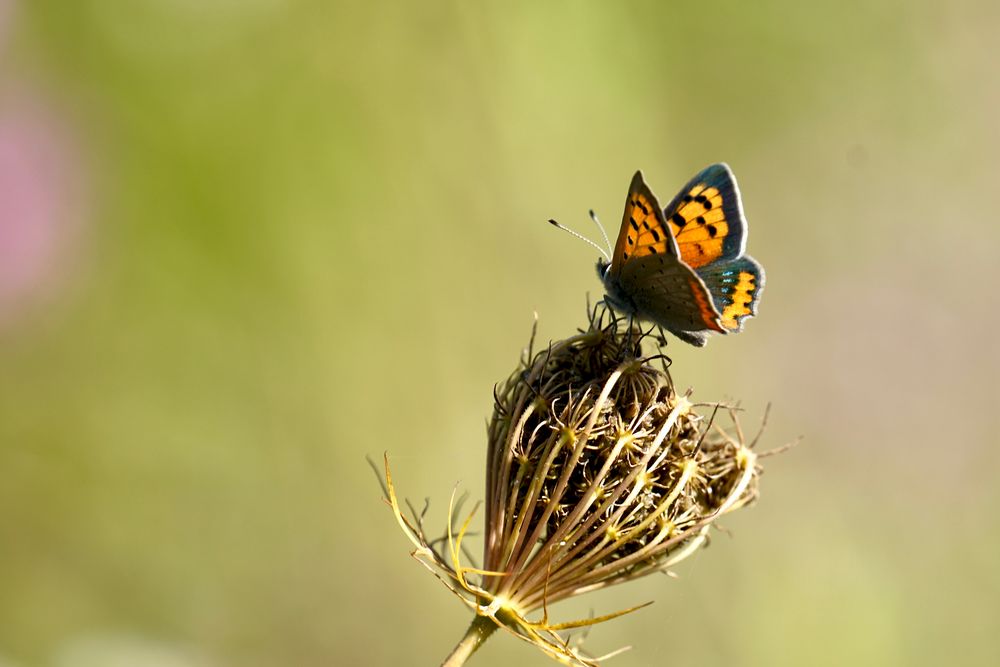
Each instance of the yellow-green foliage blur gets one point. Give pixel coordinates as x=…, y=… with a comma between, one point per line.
x=246, y=243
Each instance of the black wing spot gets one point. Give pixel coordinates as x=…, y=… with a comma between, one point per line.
x=712, y=231
x=700, y=220
x=678, y=219
x=645, y=224
x=656, y=235
x=703, y=200
x=652, y=250
x=638, y=202
x=630, y=240
x=624, y=255
x=635, y=225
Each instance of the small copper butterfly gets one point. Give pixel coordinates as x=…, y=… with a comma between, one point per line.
x=682, y=267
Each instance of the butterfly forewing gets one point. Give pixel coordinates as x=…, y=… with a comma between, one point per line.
x=706, y=218
x=644, y=232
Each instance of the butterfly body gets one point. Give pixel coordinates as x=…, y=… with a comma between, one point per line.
x=683, y=267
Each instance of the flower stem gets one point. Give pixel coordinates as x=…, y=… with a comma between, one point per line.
x=480, y=629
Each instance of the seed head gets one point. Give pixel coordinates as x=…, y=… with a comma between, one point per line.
x=597, y=473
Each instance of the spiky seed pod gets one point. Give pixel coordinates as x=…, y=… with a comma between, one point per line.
x=598, y=472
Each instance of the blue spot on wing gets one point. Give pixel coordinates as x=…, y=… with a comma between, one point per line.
x=721, y=276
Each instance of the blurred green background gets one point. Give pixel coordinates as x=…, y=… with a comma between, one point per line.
x=247, y=242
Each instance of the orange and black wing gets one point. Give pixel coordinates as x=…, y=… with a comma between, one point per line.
x=644, y=230
x=706, y=218
x=735, y=286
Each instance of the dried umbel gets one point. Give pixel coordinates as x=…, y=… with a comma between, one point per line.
x=598, y=472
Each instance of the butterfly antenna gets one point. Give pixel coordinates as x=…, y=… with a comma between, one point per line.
x=607, y=242
x=583, y=238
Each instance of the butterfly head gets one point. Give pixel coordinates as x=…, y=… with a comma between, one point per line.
x=603, y=266
x=614, y=296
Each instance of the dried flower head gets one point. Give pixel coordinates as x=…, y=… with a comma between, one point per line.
x=598, y=472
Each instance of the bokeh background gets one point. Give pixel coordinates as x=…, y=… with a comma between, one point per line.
x=246, y=243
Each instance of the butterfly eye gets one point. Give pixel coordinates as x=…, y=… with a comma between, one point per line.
x=602, y=267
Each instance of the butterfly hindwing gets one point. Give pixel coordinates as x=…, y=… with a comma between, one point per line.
x=665, y=291
x=706, y=218
x=735, y=286
x=644, y=231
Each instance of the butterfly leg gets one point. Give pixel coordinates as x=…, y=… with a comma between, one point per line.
x=661, y=336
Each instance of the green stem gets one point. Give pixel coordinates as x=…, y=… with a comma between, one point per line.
x=480, y=629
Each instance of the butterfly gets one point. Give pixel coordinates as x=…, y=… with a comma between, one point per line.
x=682, y=267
